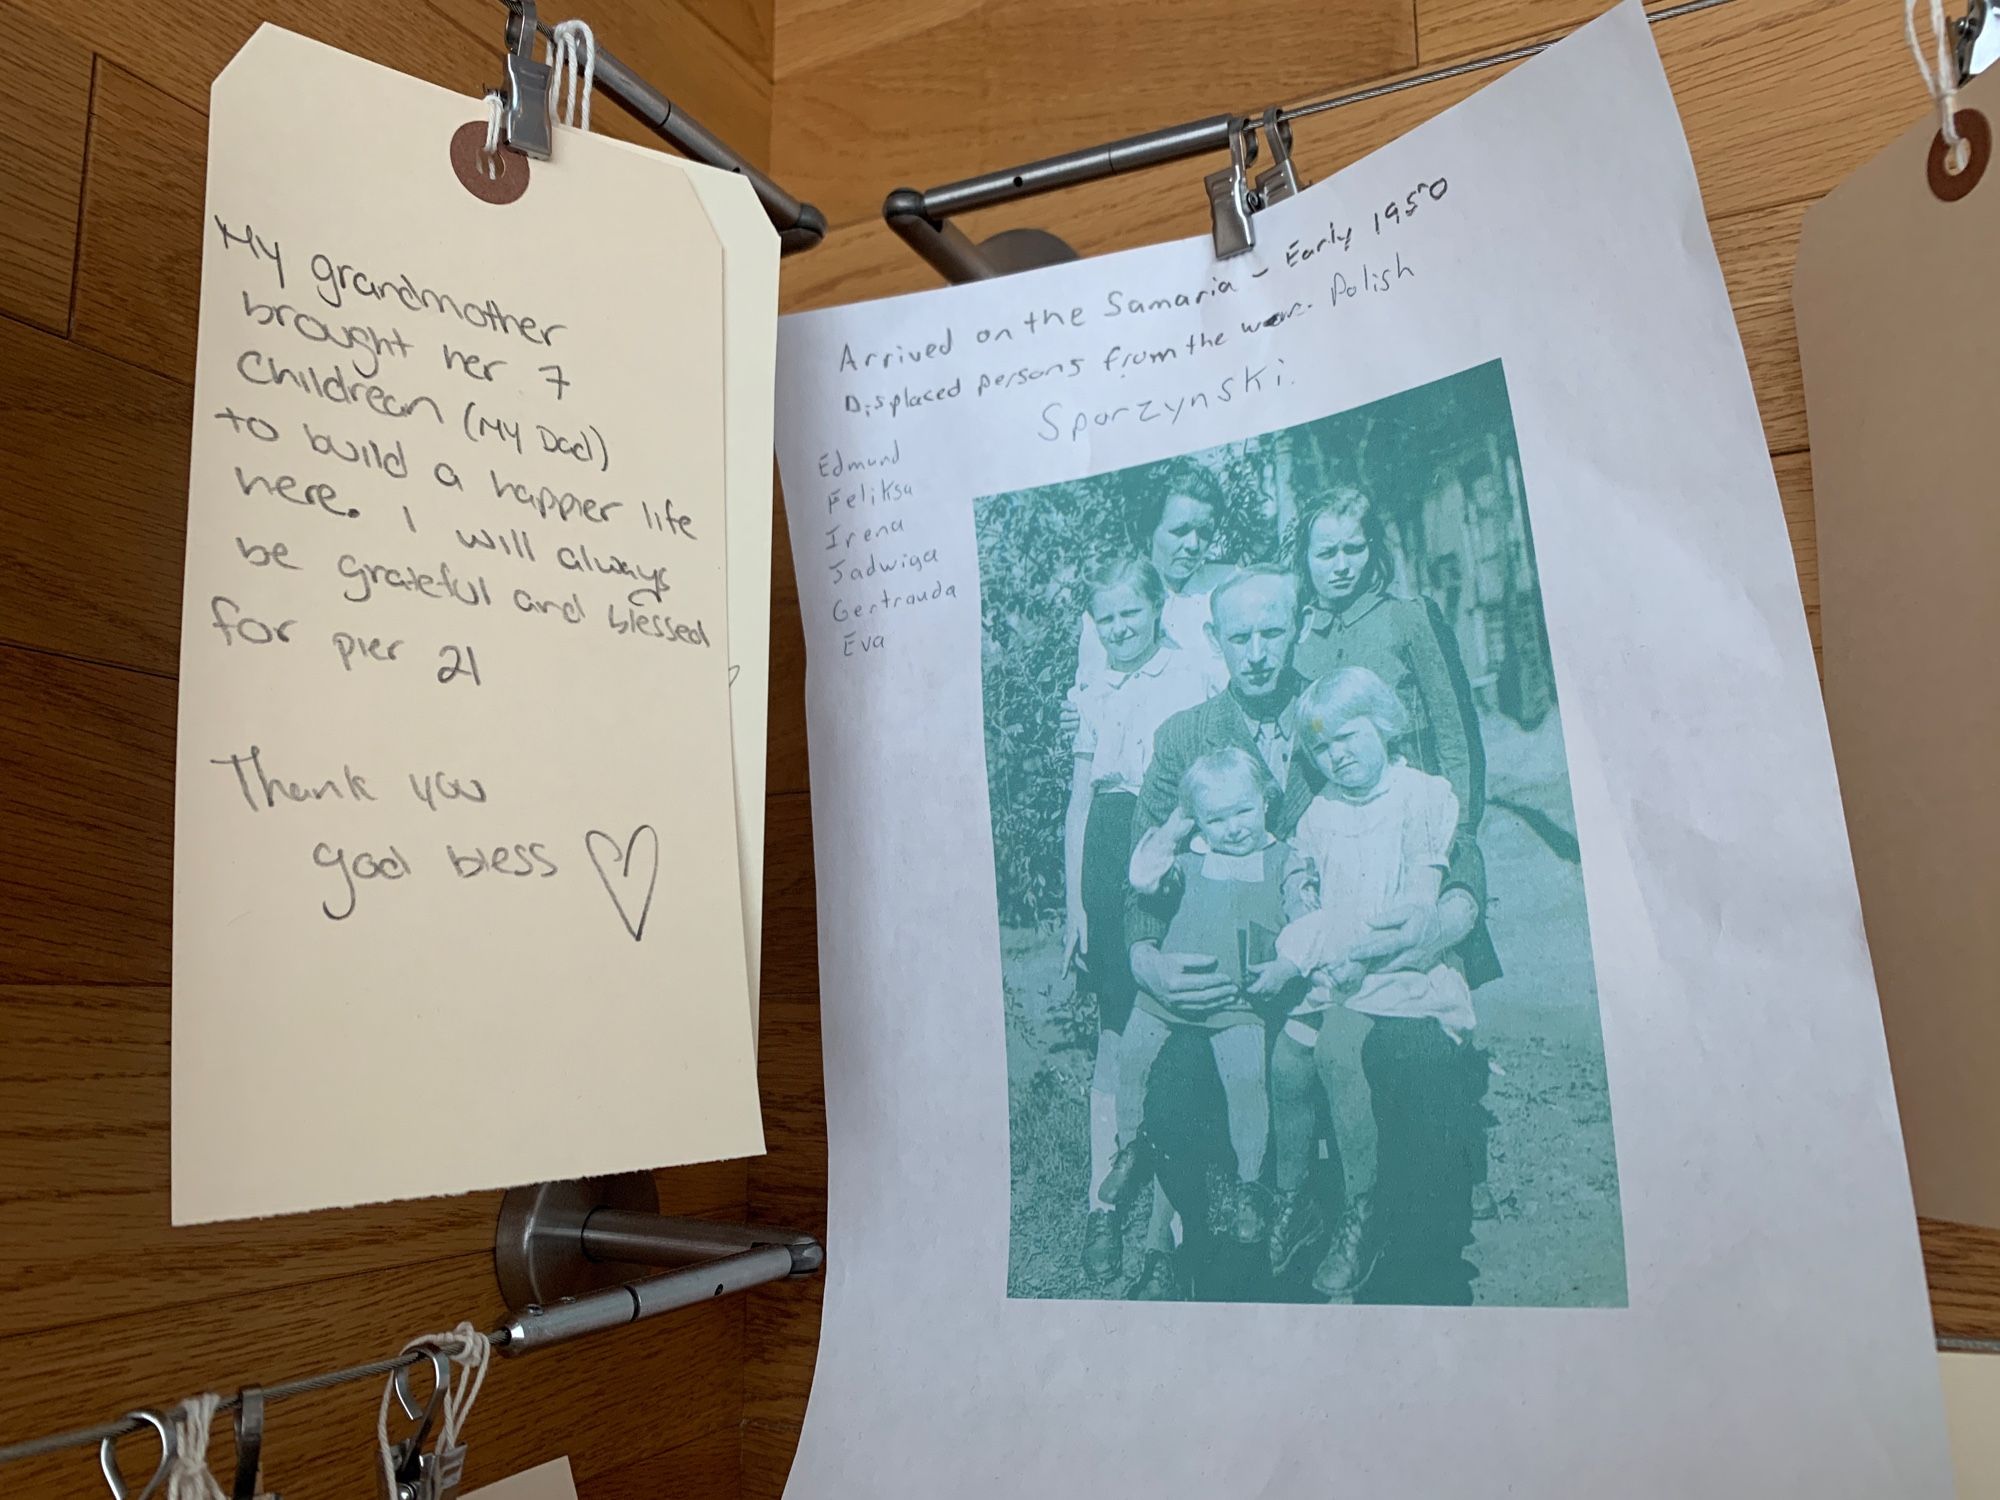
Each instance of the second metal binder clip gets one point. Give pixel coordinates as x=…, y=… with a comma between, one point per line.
x=1280, y=180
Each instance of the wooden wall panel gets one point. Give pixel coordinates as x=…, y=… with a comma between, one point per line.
x=694, y=1470
x=1757, y=250
x=86, y=819
x=1781, y=99
x=179, y=49
x=1794, y=475
x=138, y=275
x=785, y=763
x=102, y=1304
x=874, y=96
x=790, y=970
x=93, y=459
x=1448, y=30
x=42, y=136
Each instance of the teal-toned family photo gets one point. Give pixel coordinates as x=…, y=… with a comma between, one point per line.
x=1299, y=994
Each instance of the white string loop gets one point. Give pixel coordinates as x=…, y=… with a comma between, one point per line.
x=188, y=1476
x=573, y=52
x=469, y=1349
x=1943, y=85
x=475, y=1356
x=496, y=115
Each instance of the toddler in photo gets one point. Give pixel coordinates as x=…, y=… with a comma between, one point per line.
x=1379, y=837
x=1232, y=887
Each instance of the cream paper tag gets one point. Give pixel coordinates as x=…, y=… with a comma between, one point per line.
x=1898, y=335
x=750, y=317
x=457, y=896
x=549, y=1481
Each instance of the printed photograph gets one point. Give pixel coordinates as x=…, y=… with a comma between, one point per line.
x=1300, y=1004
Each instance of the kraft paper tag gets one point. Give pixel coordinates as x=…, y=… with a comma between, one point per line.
x=549, y=1481
x=1897, y=333
x=1972, y=1409
x=457, y=889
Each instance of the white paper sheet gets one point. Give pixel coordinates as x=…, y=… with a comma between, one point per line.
x=1766, y=1331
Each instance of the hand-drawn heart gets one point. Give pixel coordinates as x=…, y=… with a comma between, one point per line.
x=642, y=851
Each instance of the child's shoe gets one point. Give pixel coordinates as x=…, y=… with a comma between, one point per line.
x=1131, y=1172
x=1156, y=1281
x=1298, y=1232
x=1103, y=1246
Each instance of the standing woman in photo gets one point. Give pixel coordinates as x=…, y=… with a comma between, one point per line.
x=1146, y=678
x=1172, y=524
x=1355, y=617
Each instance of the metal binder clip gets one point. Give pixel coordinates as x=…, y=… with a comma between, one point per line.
x=1280, y=180
x=249, y=1446
x=1966, y=33
x=528, y=101
x=447, y=1472
x=1229, y=196
x=415, y=1471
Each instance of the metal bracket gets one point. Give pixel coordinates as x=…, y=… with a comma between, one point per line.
x=574, y=1257
x=923, y=219
x=957, y=256
x=800, y=225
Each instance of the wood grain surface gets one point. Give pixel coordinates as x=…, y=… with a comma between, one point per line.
x=138, y=272
x=104, y=1306
x=874, y=96
x=42, y=137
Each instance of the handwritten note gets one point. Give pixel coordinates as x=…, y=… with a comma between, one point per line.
x=454, y=789
x=958, y=465
x=1060, y=375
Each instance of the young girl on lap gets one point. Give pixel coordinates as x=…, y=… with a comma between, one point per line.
x=1379, y=834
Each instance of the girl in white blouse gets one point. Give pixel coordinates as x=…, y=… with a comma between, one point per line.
x=1145, y=679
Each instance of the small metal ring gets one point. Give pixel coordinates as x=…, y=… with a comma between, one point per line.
x=107, y=1457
